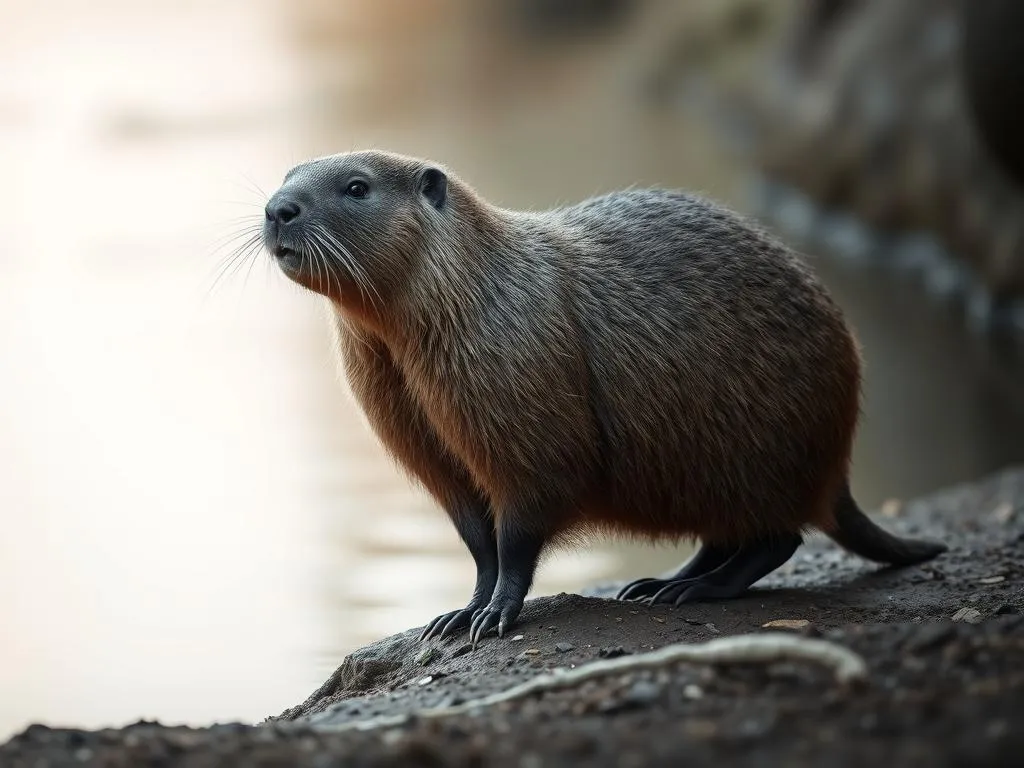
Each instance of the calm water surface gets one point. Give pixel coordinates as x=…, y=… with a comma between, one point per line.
x=195, y=524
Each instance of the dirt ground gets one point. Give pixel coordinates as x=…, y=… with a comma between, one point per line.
x=944, y=645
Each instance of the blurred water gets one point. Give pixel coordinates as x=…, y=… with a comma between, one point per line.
x=194, y=522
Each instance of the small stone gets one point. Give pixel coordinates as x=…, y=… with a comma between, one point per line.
x=612, y=652
x=658, y=619
x=992, y=580
x=425, y=680
x=462, y=650
x=711, y=628
x=1003, y=513
x=428, y=655
x=693, y=692
x=891, y=508
x=642, y=692
x=532, y=651
x=518, y=638
x=787, y=624
x=970, y=615
x=564, y=647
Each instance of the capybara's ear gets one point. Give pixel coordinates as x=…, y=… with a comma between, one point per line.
x=433, y=185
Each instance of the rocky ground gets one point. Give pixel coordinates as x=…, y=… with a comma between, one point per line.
x=943, y=643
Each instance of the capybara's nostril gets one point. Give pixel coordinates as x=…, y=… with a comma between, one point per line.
x=283, y=211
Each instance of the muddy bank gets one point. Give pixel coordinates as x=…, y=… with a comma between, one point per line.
x=943, y=643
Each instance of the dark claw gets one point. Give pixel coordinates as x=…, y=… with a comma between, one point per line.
x=499, y=615
x=669, y=590
x=485, y=621
x=639, y=589
x=449, y=623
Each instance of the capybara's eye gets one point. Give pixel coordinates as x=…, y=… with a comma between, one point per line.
x=357, y=189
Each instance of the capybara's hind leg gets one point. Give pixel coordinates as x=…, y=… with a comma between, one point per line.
x=747, y=564
x=708, y=557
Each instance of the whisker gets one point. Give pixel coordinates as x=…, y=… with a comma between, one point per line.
x=358, y=272
x=310, y=246
x=248, y=256
x=235, y=261
x=324, y=248
x=254, y=187
x=229, y=240
x=328, y=268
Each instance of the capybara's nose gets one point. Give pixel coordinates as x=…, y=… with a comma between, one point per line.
x=282, y=211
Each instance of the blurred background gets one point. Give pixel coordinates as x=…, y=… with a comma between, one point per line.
x=195, y=524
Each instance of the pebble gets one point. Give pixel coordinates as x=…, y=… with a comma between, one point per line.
x=564, y=647
x=612, y=652
x=642, y=692
x=992, y=580
x=517, y=638
x=428, y=655
x=693, y=692
x=1003, y=513
x=970, y=615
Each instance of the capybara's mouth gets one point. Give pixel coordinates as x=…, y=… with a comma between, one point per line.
x=288, y=258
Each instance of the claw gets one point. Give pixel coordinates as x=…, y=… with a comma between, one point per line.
x=448, y=623
x=636, y=589
x=497, y=616
x=669, y=591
